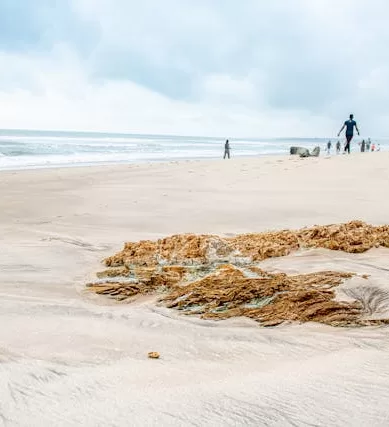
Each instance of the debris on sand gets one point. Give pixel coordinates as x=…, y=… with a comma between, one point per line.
x=153, y=355
x=218, y=278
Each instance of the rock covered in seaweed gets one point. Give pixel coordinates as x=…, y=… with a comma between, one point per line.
x=219, y=277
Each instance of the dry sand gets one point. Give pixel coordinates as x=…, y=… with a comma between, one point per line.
x=68, y=358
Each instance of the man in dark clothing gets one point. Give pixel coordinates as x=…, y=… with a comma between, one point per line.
x=226, y=149
x=349, y=125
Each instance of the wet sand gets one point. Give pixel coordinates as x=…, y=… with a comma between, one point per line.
x=69, y=358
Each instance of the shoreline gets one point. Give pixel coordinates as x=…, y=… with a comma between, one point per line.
x=34, y=155
x=138, y=162
x=86, y=166
x=142, y=163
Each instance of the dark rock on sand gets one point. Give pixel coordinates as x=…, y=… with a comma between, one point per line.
x=304, y=152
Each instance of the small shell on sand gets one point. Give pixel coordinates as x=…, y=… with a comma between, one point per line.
x=153, y=355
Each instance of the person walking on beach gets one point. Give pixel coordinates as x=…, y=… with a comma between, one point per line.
x=349, y=125
x=363, y=145
x=226, y=149
x=329, y=145
x=338, y=147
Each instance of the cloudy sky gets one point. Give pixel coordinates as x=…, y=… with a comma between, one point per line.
x=195, y=67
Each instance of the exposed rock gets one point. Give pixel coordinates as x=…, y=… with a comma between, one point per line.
x=114, y=272
x=270, y=299
x=221, y=277
x=300, y=151
x=178, y=249
x=353, y=237
x=304, y=152
x=259, y=246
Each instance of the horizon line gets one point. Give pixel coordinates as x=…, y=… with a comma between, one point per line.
x=85, y=132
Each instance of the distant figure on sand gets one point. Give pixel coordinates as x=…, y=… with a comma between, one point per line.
x=363, y=145
x=378, y=147
x=226, y=149
x=338, y=147
x=373, y=147
x=349, y=125
x=368, y=145
x=329, y=145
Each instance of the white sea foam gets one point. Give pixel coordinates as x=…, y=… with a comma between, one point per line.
x=37, y=149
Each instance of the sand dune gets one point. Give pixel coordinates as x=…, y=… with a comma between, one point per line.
x=71, y=358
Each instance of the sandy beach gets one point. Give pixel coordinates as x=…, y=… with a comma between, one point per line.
x=68, y=358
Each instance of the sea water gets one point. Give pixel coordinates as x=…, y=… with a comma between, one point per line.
x=20, y=149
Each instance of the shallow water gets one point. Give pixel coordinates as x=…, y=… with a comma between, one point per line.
x=42, y=149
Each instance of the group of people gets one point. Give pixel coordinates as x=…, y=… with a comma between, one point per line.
x=349, y=124
x=365, y=146
x=368, y=146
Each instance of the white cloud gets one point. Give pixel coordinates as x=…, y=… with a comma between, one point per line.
x=209, y=67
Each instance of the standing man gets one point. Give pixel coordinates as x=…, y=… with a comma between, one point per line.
x=226, y=149
x=349, y=125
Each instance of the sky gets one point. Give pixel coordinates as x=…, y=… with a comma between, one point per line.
x=247, y=68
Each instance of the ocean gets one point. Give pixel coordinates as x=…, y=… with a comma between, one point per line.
x=21, y=149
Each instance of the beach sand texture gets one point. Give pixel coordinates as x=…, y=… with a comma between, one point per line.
x=70, y=357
